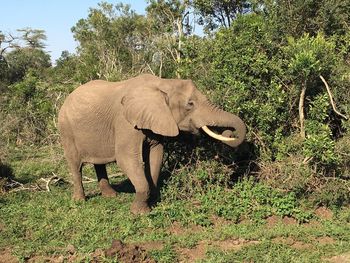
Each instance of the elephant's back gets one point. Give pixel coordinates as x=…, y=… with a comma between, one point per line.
x=93, y=92
x=90, y=105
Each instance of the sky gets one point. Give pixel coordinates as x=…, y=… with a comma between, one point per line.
x=56, y=17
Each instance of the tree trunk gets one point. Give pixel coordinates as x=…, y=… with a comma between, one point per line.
x=301, y=111
x=179, y=46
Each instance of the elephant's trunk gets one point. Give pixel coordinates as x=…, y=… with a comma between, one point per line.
x=214, y=116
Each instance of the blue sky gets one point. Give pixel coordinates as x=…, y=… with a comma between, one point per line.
x=56, y=17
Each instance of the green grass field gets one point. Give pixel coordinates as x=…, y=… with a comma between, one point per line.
x=206, y=222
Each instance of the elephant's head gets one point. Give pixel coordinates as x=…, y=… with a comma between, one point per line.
x=166, y=106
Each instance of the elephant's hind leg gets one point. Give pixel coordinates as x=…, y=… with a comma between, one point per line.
x=103, y=182
x=75, y=166
x=74, y=163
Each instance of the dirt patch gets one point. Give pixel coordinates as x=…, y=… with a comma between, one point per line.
x=125, y=253
x=118, y=251
x=7, y=257
x=343, y=258
x=198, y=252
x=292, y=243
x=324, y=213
x=289, y=220
x=234, y=244
x=193, y=254
x=286, y=220
x=325, y=240
x=272, y=220
x=301, y=245
x=151, y=245
x=177, y=229
x=312, y=223
x=53, y=259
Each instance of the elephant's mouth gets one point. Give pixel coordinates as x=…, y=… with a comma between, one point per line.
x=226, y=137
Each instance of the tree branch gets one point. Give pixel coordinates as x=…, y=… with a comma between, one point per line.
x=331, y=99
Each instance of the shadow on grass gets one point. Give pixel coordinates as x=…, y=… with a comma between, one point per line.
x=124, y=187
x=6, y=171
x=187, y=150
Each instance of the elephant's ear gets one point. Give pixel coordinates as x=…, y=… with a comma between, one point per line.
x=147, y=108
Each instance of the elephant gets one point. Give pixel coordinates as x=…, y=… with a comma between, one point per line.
x=102, y=122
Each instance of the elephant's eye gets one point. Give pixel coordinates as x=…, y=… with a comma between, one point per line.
x=190, y=105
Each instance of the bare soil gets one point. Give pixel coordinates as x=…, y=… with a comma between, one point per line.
x=193, y=254
x=198, y=252
x=272, y=220
x=127, y=253
x=151, y=245
x=6, y=256
x=343, y=258
x=324, y=213
x=291, y=242
x=325, y=240
x=289, y=220
x=312, y=223
x=51, y=259
x=177, y=229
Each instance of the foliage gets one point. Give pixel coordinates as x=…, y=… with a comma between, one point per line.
x=310, y=16
x=215, y=13
x=107, y=39
x=242, y=65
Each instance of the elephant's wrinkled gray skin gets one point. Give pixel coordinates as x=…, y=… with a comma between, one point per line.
x=102, y=122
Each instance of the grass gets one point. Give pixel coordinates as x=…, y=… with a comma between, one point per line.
x=247, y=222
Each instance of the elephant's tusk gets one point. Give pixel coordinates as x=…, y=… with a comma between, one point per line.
x=217, y=136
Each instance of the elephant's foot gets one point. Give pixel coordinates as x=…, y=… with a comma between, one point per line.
x=106, y=188
x=139, y=208
x=78, y=197
x=108, y=191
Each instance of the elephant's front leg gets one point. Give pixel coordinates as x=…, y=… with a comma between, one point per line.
x=129, y=159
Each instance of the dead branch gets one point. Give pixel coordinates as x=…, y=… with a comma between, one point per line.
x=307, y=160
x=53, y=179
x=91, y=180
x=88, y=180
x=331, y=99
x=150, y=69
x=16, y=186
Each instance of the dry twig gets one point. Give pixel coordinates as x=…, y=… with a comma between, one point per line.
x=91, y=180
x=16, y=186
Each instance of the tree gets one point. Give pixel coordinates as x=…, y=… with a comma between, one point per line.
x=34, y=38
x=171, y=20
x=215, y=13
x=111, y=40
x=294, y=18
x=16, y=59
x=22, y=60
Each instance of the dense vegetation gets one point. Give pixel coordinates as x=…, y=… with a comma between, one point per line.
x=282, y=66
